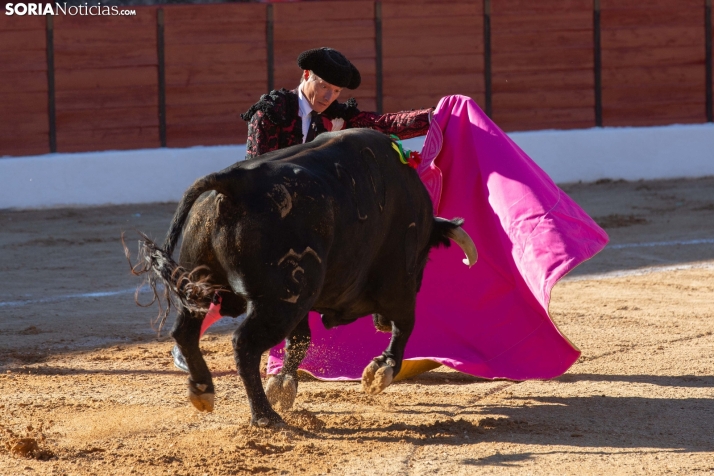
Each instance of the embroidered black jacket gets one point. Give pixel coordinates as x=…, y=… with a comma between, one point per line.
x=274, y=122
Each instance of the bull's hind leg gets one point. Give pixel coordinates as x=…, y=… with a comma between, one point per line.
x=186, y=333
x=281, y=389
x=381, y=371
x=267, y=325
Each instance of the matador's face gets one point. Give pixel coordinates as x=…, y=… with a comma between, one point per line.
x=318, y=92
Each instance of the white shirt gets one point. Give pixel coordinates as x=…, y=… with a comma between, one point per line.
x=304, y=112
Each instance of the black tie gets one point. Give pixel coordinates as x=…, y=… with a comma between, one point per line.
x=312, y=130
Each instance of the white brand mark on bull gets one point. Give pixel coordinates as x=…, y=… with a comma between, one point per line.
x=293, y=254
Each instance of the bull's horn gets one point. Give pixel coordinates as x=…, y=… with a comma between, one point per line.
x=466, y=243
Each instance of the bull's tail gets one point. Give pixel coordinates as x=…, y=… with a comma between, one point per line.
x=445, y=230
x=169, y=282
x=216, y=182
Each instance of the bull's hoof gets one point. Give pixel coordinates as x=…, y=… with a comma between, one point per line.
x=199, y=397
x=377, y=376
x=281, y=391
x=203, y=402
x=268, y=421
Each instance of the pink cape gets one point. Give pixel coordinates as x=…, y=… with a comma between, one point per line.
x=491, y=320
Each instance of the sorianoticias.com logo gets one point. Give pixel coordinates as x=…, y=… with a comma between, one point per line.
x=64, y=9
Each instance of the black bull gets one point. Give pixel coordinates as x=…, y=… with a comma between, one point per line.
x=337, y=225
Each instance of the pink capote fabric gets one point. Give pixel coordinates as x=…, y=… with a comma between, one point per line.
x=491, y=320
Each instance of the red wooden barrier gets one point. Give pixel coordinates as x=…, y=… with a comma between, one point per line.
x=105, y=82
x=216, y=65
x=24, y=124
x=345, y=26
x=710, y=61
x=215, y=70
x=653, y=62
x=431, y=50
x=542, y=64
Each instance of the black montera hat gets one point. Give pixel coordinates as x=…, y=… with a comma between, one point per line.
x=330, y=65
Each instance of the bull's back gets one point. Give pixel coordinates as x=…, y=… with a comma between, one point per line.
x=345, y=197
x=382, y=212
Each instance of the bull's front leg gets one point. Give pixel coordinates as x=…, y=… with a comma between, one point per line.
x=381, y=371
x=281, y=389
x=186, y=333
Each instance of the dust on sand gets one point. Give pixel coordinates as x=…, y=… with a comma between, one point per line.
x=87, y=388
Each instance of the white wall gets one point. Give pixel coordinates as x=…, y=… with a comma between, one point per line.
x=114, y=177
x=154, y=175
x=630, y=153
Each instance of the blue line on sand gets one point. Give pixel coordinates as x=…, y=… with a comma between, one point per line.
x=130, y=291
x=662, y=243
x=67, y=297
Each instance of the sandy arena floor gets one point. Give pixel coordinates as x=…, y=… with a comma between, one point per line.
x=87, y=388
